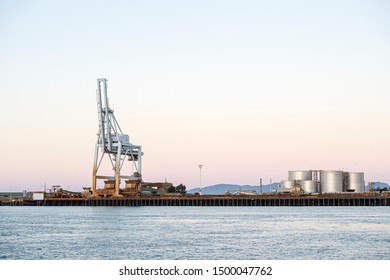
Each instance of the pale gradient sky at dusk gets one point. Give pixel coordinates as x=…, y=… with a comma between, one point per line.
x=249, y=89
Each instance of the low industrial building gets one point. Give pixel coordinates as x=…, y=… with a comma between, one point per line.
x=157, y=188
x=14, y=194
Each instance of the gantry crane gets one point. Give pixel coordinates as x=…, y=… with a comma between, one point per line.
x=117, y=146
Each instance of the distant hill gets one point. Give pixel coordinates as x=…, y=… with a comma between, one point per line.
x=380, y=185
x=223, y=188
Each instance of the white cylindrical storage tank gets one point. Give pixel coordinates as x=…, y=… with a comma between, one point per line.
x=356, y=182
x=309, y=186
x=331, y=181
x=299, y=175
x=288, y=184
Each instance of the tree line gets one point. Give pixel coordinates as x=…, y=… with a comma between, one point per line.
x=178, y=189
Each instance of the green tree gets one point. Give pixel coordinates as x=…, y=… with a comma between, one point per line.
x=181, y=189
x=171, y=189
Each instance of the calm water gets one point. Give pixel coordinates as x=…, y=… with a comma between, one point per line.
x=281, y=233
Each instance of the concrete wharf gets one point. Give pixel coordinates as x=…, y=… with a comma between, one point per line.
x=213, y=200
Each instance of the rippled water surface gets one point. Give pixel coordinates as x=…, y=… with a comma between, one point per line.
x=214, y=233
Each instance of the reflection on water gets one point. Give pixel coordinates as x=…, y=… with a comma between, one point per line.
x=195, y=233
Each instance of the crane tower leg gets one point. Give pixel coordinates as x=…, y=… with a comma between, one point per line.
x=95, y=167
x=139, y=166
x=117, y=169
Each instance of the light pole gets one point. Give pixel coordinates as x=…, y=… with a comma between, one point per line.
x=200, y=178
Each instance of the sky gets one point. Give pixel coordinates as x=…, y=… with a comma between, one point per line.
x=249, y=89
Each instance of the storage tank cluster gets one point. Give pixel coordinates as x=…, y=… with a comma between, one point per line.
x=325, y=181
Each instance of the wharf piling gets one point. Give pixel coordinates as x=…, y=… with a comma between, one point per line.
x=209, y=200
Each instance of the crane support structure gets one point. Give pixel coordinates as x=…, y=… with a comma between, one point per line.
x=116, y=145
